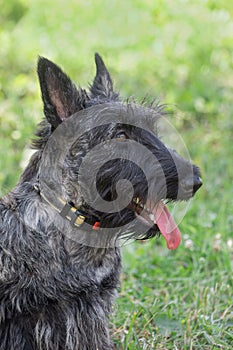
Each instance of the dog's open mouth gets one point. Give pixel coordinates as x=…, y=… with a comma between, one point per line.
x=158, y=215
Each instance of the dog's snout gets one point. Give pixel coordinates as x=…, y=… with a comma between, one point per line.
x=197, y=184
x=192, y=185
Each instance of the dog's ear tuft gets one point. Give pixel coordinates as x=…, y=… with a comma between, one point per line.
x=102, y=85
x=59, y=94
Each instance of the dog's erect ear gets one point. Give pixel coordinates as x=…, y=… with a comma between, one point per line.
x=102, y=85
x=60, y=96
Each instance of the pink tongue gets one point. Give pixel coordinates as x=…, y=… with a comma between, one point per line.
x=167, y=226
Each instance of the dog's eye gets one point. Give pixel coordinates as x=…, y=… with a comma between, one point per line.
x=121, y=136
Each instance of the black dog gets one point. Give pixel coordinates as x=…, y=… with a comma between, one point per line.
x=99, y=174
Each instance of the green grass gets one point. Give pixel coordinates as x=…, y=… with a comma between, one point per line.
x=180, y=51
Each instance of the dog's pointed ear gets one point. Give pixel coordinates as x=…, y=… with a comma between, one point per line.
x=102, y=85
x=59, y=94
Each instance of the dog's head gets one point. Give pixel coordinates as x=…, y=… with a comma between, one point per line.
x=116, y=171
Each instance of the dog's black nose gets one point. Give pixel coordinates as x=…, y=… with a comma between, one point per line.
x=193, y=184
x=197, y=184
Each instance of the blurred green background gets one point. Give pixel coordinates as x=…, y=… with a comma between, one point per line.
x=182, y=52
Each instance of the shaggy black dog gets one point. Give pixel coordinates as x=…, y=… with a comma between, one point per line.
x=99, y=174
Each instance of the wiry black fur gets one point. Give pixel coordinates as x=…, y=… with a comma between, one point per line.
x=56, y=294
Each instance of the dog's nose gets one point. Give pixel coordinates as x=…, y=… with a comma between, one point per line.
x=197, y=184
x=192, y=184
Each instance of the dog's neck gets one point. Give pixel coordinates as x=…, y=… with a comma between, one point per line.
x=76, y=216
